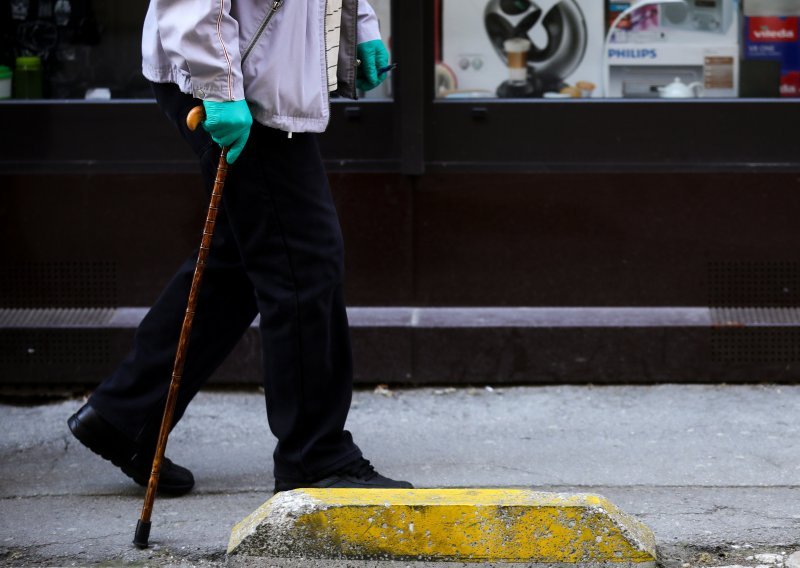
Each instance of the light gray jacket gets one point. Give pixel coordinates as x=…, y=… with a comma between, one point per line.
x=270, y=52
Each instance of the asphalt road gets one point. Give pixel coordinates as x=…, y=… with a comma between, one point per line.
x=713, y=470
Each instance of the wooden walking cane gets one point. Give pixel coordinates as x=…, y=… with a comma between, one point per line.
x=140, y=540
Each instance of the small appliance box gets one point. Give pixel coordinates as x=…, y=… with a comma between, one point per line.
x=771, y=33
x=566, y=44
x=696, y=41
x=641, y=71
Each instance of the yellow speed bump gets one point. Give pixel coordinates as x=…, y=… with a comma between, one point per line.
x=464, y=525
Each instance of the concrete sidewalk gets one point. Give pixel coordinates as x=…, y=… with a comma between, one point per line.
x=713, y=470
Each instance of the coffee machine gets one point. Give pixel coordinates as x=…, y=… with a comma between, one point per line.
x=556, y=33
x=564, y=39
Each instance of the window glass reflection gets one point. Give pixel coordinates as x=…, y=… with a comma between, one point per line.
x=73, y=49
x=383, y=11
x=90, y=49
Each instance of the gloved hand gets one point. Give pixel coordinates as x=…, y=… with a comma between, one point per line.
x=373, y=56
x=229, y=125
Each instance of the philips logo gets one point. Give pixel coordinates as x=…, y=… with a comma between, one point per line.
x=632, y=53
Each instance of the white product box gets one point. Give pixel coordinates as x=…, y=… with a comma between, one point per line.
x=638, y=71
x=686, y=22
x=701, y=16
x=771, y=33
x=696, y=41
x=566, y=43
x=774, y=8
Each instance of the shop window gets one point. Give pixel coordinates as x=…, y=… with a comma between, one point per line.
x=89, y=49
x=74, y=49
x=383, y=11
x=629, y=49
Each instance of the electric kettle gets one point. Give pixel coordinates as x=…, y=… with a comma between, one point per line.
x=680, y=90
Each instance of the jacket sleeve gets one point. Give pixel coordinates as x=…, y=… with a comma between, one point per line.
x=203, y=36
x=368, y=26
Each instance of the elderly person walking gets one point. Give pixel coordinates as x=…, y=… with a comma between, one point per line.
x=264, y=70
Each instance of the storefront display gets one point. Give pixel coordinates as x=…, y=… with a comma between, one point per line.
x=563, y=39
x=82, y=46
x=687, y=42
x=91, y=49
x=634, y=49
x=549, y=69
x=503, y=49
x=772, y=43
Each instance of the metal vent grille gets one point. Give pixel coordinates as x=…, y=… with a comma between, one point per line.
x=739, y=317
x=64, y=284
x=755, y=308
x=754, y=345
x=754, y=283
x=55, y=317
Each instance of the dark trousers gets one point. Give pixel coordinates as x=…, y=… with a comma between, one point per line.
x=277, y=251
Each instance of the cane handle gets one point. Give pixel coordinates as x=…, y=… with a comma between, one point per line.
x=195, y=117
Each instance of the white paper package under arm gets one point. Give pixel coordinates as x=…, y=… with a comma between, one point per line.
x=199, y=45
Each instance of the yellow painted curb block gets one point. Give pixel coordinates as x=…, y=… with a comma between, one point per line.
x=464, y=525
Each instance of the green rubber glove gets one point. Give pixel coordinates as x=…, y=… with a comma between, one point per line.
x=373, y=56
x=229, y=125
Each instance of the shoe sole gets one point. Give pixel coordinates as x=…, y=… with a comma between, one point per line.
x=90, y=441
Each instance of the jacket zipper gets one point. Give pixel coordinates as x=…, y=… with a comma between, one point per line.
x=276, y=5
x=325, y=47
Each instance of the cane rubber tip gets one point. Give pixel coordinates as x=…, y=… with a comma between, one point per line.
x=140, y=540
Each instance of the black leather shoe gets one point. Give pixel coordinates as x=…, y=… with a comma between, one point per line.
x=94, y=432
x=357, y=474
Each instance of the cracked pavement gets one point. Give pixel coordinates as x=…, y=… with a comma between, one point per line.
x=713, y=470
